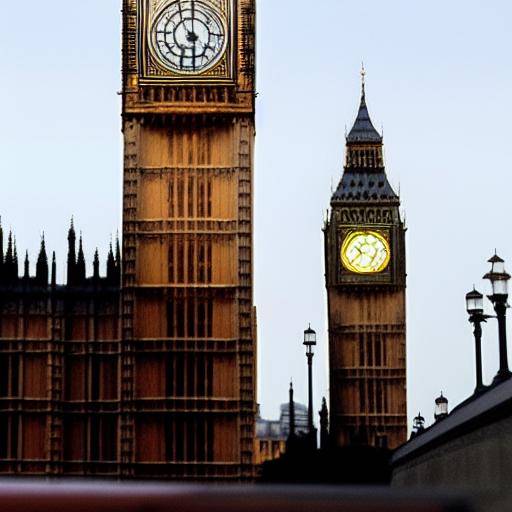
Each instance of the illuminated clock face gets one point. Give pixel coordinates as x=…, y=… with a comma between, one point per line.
x=365, y=252
x=189, y=36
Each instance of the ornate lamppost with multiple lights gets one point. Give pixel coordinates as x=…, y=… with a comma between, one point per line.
x=475, y=309
x=310, y=342
x=499, y=281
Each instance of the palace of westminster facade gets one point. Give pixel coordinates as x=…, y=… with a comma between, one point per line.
x=150, y=371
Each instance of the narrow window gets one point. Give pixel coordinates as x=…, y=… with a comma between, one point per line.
x=191, y=438
x=201, y=319
x=109, y=438
x=384, y=398
x=209, y=376
x=209, y=262
x=362, y=397
x=201, y=441
x=180, y=440
x=95, y=378
x=362, y=359
x=181, y=198
x=172, y=206
x=169, y=441
x=210, y=318
x=4, y=375
x=94, y=452
x=191, y=392
x=15, y=375
x=180, y=318
x=209, y=441
x=379, y=397
x=369, y=350
x=378, y=350
x=191, y=197
x=191, y=318
x=371, y=397
x=169, y=376
x=15, y=423
x=200, y=197
x=191, y=262
x=4, y=436
x=172, y=265
x=202, y=263
x=209, y=200
x=180, y=377
x=170, y=319
x=201, y=375
x=180, y=263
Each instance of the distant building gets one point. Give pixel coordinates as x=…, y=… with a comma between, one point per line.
x=301, y=419
x=271, y=435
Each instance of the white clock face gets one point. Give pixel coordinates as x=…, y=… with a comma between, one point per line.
x=189, y=36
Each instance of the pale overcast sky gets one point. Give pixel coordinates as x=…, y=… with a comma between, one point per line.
x=439, y=80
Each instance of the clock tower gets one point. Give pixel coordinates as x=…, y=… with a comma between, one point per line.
x=366, y=282
x=188, y=354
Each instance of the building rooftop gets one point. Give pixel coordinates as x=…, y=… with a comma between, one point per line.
x=363, y=129
x=473, y=413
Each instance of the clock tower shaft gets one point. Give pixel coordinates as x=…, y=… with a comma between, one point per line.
x=189, y=323
x=366, y=283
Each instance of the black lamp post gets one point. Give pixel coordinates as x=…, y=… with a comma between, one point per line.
x=499, y=281
x=310, y=342
x=475, y=309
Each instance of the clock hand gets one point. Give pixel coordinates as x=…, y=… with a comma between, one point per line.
x=182, y=56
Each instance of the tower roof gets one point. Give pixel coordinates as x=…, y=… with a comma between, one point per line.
x=363, y=129
x=364, y=178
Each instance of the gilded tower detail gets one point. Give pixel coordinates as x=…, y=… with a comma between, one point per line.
x=188, y=325
x=366, y=282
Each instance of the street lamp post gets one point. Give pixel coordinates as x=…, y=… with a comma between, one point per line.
x=475, y=309
x=418, y=424
x=499, y=281
x=310, y=342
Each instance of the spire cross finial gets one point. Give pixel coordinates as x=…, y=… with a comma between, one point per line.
x=363, y=80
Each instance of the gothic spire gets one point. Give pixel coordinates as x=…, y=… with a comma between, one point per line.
x=10, y=273
x=364, y=178
x=26, y=267
x=54, y=270
x=96, y=266
x=42, y=265
x=118, y=250
x=71, y=253
x=291, y=406
x=111, y=266
x=15, y=262
x=118, y=261
x=363, y=129
x=80, y=263
x=9, y=257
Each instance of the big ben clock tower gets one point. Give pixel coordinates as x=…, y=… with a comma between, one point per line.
x=366, y=281
x=188, y=328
